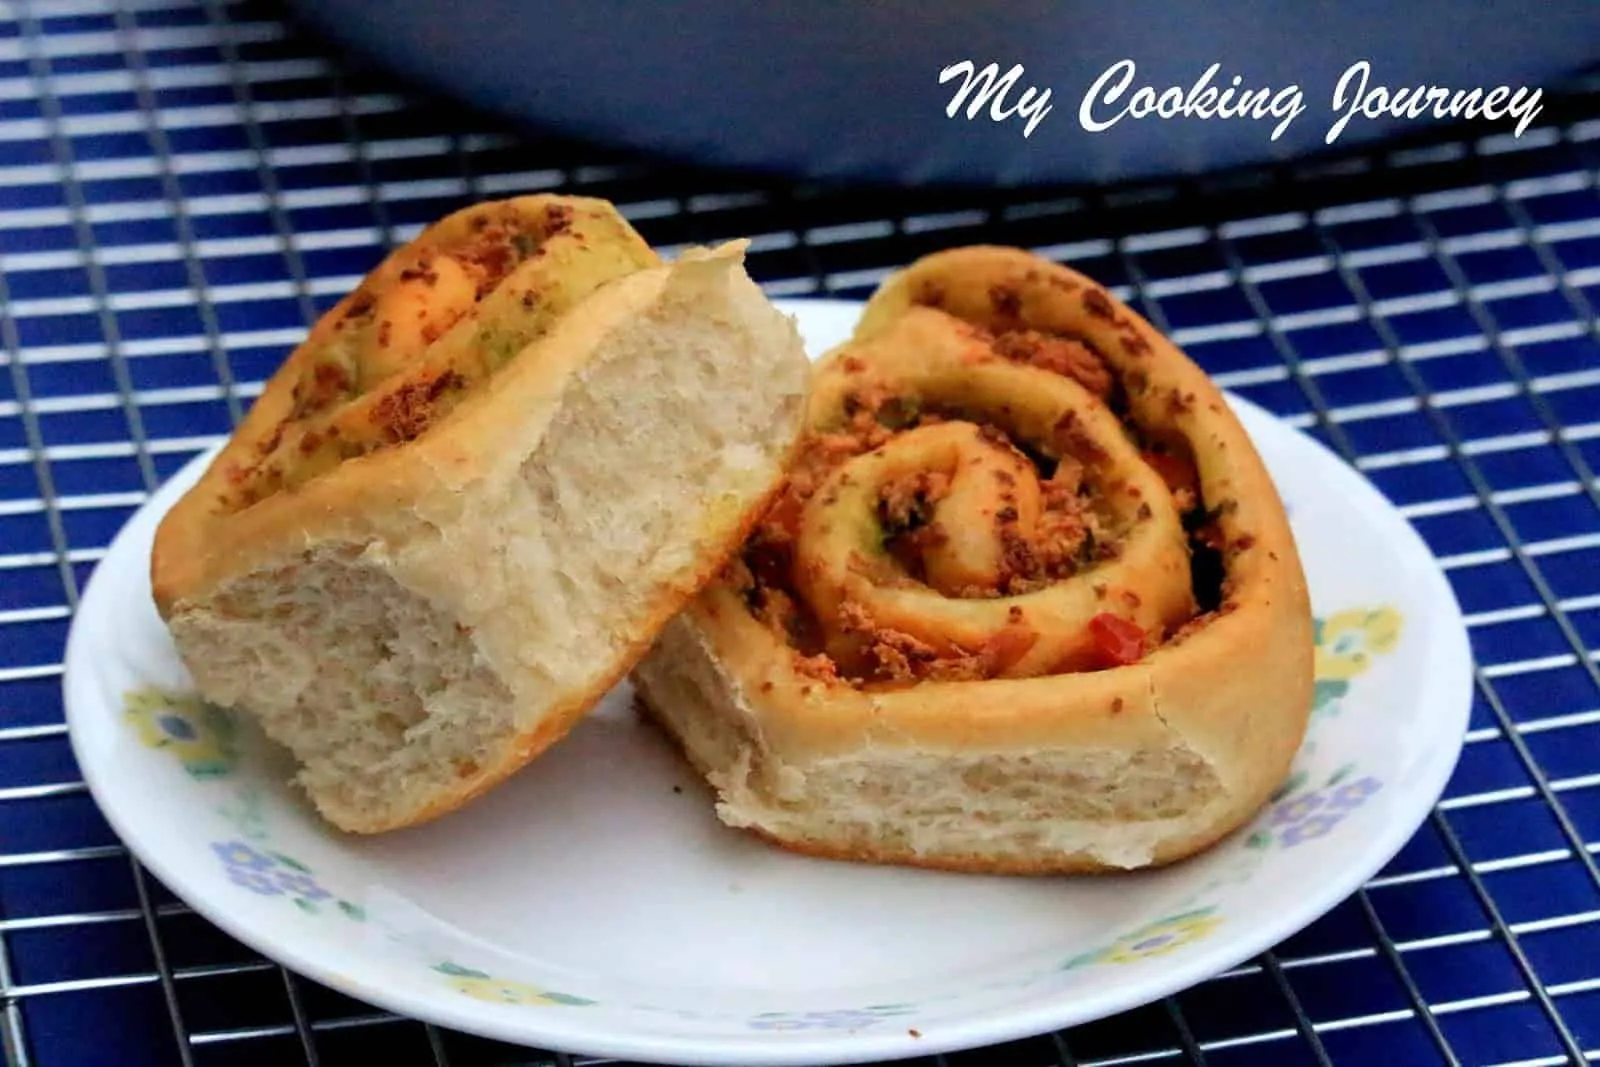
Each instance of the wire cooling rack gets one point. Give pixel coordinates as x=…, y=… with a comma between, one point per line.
x=184, y=185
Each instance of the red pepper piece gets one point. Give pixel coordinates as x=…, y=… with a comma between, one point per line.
x=1177, y=472
x=1118, y=641
x=784, y=513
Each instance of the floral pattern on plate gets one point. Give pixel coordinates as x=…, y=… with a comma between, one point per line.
x=1346, y=641
x=1153, y=939
x=272, y=874
x=836, y=1019
x=480, y=985
x=200, y=735
x=205, y=740
x=1306, y=816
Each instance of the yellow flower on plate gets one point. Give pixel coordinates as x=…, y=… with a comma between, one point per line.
x=491, y=990
x=1347, y=641
x=200, y=735
x=501, y=991
x=1160, y=937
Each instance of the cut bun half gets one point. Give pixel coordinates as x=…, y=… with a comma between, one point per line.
x=466, y=505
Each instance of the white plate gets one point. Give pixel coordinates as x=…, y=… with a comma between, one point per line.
x=594, y=905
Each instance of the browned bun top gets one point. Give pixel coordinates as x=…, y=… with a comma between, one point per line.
x=433, y=322
x=429, y=332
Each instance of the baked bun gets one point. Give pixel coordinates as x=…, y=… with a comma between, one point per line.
x=1029, y=603
x=462, y=509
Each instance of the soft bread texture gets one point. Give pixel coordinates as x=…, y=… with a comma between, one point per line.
x=420, y=619
x=1018, y=767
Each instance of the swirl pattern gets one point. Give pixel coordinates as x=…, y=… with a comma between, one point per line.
x=976, y=503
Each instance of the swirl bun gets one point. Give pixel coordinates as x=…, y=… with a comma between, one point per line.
x=1028, y=602
x=464, y=506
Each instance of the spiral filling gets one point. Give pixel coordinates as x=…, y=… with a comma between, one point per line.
x=972, y=505
x=402, y=354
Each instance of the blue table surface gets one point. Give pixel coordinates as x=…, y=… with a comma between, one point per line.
x=183, y=185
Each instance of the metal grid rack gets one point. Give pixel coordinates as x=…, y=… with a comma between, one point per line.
x=185, y=184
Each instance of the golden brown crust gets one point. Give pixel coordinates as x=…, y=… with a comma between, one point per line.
x=259, y=487
x=1229, y=680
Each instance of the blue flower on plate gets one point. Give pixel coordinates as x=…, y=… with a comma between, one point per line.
x=303, y=886
x=272, y=874
x=1309, y=829
x=1297, y=820
x=237, y=855
x=1352, y=795
x=255, y=881
x=1296, y=809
